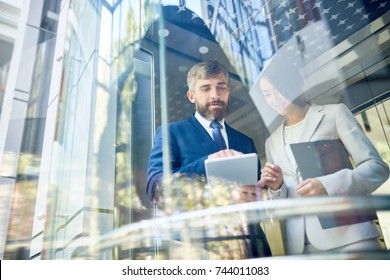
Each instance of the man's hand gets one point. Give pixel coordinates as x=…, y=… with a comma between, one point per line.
x=225, y=153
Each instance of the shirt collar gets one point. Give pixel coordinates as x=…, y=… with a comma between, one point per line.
x=206, y=123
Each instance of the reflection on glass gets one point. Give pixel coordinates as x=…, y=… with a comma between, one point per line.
x=80, y=99
x=323, y=135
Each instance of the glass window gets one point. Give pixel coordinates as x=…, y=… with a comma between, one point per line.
x=86, y=88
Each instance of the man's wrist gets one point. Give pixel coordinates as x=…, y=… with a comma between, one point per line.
x=158, y=194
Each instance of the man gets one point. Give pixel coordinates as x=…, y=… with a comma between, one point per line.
x=191, y=141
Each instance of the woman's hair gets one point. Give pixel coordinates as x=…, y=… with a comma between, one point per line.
x=205, y=70
x=285, y=77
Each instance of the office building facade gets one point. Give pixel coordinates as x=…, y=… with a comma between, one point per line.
x=85, y=84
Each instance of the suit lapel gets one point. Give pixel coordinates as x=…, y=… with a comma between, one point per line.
x=279, y=146
x=312, y=120
x=200, y=130
x=231, y=139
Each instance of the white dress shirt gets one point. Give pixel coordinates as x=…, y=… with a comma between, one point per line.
x=206, y=124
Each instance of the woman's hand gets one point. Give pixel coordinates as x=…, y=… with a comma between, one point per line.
x=311, y=187
x=271, y=176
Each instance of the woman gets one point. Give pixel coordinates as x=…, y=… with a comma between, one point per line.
x=304, y=122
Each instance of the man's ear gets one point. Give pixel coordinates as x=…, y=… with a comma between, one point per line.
x=191, y=96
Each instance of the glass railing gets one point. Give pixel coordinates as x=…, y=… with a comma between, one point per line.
x=221, y=232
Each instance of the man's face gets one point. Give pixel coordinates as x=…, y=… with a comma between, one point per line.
x=211, y=97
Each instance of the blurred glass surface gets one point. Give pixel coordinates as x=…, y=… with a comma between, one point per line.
x=85, y=84
x=219, y=232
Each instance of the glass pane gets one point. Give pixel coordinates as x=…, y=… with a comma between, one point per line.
x=85, y=85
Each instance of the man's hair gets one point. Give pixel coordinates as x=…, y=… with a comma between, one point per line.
x=205, y=70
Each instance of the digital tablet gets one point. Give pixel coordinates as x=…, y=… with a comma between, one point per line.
x=242, y=169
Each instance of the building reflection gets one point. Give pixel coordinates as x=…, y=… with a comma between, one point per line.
x=85, y=84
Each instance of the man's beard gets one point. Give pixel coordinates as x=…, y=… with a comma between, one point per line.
x=213, y=114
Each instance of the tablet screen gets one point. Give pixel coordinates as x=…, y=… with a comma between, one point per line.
x=240, y=169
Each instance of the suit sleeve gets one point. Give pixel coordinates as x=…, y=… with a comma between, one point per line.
x=370, y=170
x=155, y=164
x=191, y=166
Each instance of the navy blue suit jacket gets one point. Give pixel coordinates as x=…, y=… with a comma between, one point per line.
x=190, y=145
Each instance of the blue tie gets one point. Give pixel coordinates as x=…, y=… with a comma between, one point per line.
x=217, y=135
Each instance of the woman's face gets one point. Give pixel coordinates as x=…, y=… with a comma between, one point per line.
x=274, y=98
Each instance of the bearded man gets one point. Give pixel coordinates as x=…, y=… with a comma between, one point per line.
x=193, y=140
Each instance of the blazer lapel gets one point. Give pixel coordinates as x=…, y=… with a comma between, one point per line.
x=279, y=146
x=231, y=139
x=313, y=119
x=200, y=130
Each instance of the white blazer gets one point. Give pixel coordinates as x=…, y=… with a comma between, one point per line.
x=334, y=121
